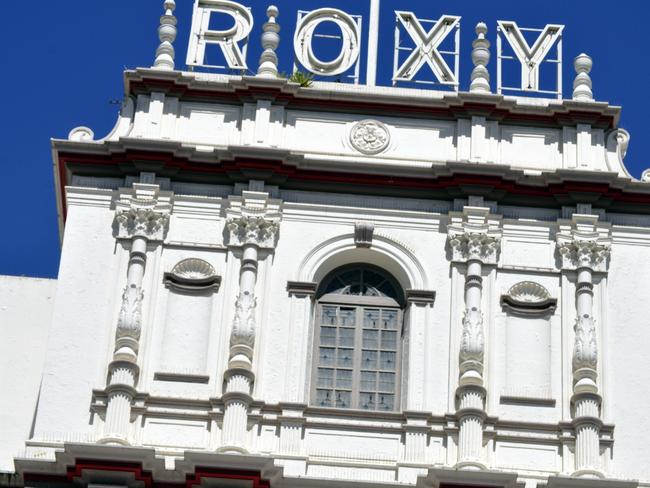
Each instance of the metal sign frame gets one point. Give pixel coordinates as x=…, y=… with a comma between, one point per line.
x=355, y=76
x=552, y=35
x=454, y=22
x=201, y=36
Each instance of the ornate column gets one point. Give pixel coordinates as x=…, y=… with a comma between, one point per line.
x=142, y=218
x=253, y=222
x=474, y=238
x=585, y=248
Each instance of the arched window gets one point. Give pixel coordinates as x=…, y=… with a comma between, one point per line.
x=358, y=340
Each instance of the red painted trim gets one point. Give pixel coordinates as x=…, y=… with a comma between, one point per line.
x=458, y=180
x=141, y=475
x=491, y=111
x=232, y=474
x=82, y=465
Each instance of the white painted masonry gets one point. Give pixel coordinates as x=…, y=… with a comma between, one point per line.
x=188, y=329
x=25, y=314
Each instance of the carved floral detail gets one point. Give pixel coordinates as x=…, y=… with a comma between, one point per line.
x=466, y=246
x=129, y=322
x=472, y=342
x=253, y=218
x=584, y=253
x=243, y=327
x=369, y=136
x=253, y=229
x=585, y=347
x=142, y=221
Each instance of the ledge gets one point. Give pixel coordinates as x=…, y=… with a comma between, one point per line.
x=527, y=401
x=189, y=285
x=302, y=288
x=181, y=377
x=420, y=297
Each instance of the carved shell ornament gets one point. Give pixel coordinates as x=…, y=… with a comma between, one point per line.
x=193, y=274
x=193, y=269
x=529, y=292
x=369, y=136
x=529, y=298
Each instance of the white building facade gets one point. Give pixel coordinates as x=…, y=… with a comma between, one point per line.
x=341, y=285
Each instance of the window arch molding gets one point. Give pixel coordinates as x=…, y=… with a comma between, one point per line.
x=385, y=253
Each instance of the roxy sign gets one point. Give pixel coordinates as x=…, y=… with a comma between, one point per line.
x=425, y=37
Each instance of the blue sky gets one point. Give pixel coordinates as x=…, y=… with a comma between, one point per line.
x=64, y=61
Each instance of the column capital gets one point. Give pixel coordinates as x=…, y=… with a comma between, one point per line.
x=253, y=218
x=474, y=234
x=583, y=242
x=141, y=212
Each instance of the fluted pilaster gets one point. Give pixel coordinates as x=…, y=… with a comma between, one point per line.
x=253, y=225
x=474, y=238
x=584, y=247
x=141, y=218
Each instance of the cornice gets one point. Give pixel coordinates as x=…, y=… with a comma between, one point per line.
x=444, y=181
x=363, y=99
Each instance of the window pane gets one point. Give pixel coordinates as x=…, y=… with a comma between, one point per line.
x=389, y=339
x=388, y=290
x=346, y=337
x=329, y=315
x=347, y=317
x=371, y=278
x=326, y=356
x=328, y=336
x=369, y=359
x=343, y=399
x=385, y=402
x=367, y=400
x=371, y=339
x=387, y=382
x=324, y=398
x=371, y=318
x=351, y=276
x=344, y=358
x=368, y=380
x=358, y=346
x=325, y=378
x=371, y=291
x=344, y=379
x=389, y=319
x=387, y=361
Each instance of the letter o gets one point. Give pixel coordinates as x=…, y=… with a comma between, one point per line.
x=302, y=42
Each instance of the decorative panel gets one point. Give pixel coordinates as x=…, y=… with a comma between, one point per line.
x=530, y=148
x=214, y=125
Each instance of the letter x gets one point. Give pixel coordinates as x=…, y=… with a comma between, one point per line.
x=530, y=58
x=426, y=48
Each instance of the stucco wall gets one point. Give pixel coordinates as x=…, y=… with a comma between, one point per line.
x=25, y=312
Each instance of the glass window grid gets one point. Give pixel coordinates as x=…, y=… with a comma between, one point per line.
x=348, y=334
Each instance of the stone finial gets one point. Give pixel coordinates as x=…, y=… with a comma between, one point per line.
x=167, y=35
x=582, y=83
x=480, y=58
x=270, y=40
